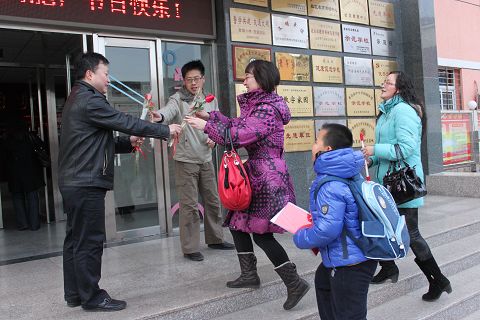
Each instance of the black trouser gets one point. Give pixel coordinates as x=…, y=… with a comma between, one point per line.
x=83, y=246
x=266, y=241
x=419, y=246
x=27, y=209
x=342, y=292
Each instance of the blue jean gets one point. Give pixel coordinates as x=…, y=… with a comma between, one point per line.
x=342, y=291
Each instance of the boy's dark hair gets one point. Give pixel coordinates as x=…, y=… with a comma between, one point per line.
x=193, y=65
x=89, y=61
x=266, y=74
x=337, y=136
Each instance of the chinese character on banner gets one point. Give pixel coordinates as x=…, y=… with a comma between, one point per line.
x=96, y=5
x=118, y=6
x=140, y=7
x=49, y=3
x=161, y=9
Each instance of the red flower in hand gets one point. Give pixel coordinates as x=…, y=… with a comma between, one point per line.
x=209, y=98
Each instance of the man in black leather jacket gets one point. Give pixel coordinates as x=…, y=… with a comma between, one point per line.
x=87, y=149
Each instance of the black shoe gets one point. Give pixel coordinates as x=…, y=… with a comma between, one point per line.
x=195, y=256
x=72, y=303
x=108, y=304
x=222, y=246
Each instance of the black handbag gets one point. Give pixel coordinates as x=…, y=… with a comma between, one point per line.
x=39, y=149
x=402, y=180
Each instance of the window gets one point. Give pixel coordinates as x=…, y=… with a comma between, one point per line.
x=450, y=88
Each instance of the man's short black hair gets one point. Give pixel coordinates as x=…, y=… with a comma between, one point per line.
x=193, y=65
x=266, y=74
x=337, y=136
x=89, y=61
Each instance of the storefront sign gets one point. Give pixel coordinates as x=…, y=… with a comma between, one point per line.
x=324, y=9
x=378, y=100
x=329, y=101
x=365, y=126
x=169, y=17
x=354, y=11
x=290, y=31
x=250, y=26
x=356, y=39
x=384, y=43
x=327, y=69
x=382, y=68
x=260, y=3
x=358, y=71
x=290, y=6
x=360, y=102
x=325, y=35
x=320, y=123
x=299, y=135
x=298, y=98
x=456, y=142
x=381, y=14
x=242, y=56
x=239, y=89
x=293, y=67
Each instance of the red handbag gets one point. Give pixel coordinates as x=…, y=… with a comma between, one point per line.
x=233, y=185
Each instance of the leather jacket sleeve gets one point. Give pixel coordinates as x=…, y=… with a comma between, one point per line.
x=123, y=144
x=103, y=115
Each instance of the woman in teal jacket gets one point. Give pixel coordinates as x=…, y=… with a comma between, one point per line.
x=400, y=122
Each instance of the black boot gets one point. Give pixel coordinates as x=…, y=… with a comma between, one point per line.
x=438, y=282
x=248, y=277
x=296, y=286
x=389, y=271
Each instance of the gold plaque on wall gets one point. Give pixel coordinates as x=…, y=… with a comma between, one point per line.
x=328, y=9
x=381, y=69
x=382, y=14
x=298, y=98
x=260, y=3
x=239, y=89
x=299, y=135
x=360, y=102
x=290, y=6
x=366, y=126
x=250, y=26
x=354, y=11
x=327, y=69
x=325, y=35
x=242, y=56
x=293, y=67
x=378, y=99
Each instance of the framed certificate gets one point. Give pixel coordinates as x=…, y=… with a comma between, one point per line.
x=329, y=101
x=299, y=135
x=358, y=71
x=382, y=68
x=356, y=39
x=365, y=126
x=354, y=11
x=290, y=6
x=290, y=31
x=328, y=9
x=360, y=102
x=382, y=14
x=250, y=26
x=298, y=98
x=327, y=69
x=242, y=56
x=260, y=3
x=325, y=35
x=384, y=42
x=292, y=66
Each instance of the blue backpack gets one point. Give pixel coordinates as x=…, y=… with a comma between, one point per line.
x=384, y=234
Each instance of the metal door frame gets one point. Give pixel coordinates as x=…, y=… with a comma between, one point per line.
x=112, y=233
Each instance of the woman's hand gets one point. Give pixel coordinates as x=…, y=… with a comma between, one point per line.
x=368, y=151
x=202, y=114
x=195, y=122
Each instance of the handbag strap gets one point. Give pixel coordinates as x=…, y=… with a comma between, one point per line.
x=400, y=157
x=228, y=140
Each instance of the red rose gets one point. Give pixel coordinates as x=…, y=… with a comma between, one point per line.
x=148, y=97
x=209, y=98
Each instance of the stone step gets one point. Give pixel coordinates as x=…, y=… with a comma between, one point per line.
x=473, y=316
x=462, y=302
x=453, y=258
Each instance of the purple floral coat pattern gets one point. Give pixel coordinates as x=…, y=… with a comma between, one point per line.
x=260, y=130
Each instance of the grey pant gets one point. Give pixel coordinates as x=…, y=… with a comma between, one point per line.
x=191, y=180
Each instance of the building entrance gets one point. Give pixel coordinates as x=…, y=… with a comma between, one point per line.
x=35, y=79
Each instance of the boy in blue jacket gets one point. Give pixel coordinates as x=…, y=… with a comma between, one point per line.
x=342, y=279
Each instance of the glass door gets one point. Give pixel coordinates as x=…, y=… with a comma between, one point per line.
x=137, y=202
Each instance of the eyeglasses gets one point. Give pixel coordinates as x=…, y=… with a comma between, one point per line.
x=194, y=79
x=386, y=83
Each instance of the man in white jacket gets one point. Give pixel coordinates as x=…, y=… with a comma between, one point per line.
x=194, y=171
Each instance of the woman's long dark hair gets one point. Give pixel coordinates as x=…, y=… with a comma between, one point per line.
x=406, y=90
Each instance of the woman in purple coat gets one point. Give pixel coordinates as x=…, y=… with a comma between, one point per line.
x=259, y=129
